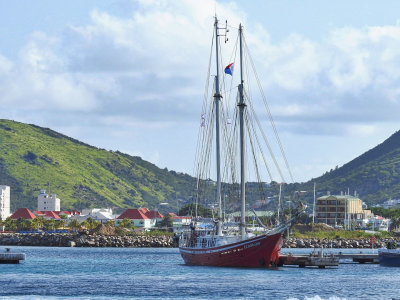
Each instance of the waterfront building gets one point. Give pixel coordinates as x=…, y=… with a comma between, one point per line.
x=47, y=202
x=339, y=209
x=375, y=223
x=23, y=213
x=155, y=214
x=179, y=221
x=68, y=214
x=103, y=215
x=138, y=218
x=47, y=214
x=391, y=203
x=4, y=202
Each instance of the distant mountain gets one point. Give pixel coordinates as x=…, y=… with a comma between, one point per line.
x=374, y=175
x=34, y=158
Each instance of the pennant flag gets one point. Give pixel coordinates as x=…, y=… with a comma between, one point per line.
x=229, y=69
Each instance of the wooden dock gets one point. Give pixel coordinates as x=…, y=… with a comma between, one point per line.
x=11, y=258
x=319, y=259
x=361, y=258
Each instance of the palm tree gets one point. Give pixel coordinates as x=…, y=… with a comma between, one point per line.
x=85, y=224
x=49, y=224
x=74, y=224
x=125, y=223
x=37, y=223
x=10, y=224
x=111, y=223
x=59, y=224
x=21, y=224
x=91, y=223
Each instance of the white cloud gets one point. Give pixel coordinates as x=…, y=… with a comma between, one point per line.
x=146, y=72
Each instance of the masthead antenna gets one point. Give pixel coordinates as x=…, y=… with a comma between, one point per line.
x=225, y=34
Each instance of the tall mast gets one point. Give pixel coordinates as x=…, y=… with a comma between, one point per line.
x=242, y=107
x=217, y=99
x=279, y=202
x=313, y=215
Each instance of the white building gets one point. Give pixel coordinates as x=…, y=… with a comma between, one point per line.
x=392, y=203
x=47, y=203
x=4, y=202
x=103, y=215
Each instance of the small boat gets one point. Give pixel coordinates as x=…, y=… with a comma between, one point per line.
x=216, y=245
x=8, y=257
x=390, y=256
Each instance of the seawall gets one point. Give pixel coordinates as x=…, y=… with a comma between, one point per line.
x=77, y=240
x=88, y=240
x=334, y=243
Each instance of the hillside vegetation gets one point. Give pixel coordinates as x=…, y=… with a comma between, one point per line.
x=375, y=175
x=34, y=158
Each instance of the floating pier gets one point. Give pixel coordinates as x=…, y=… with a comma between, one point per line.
x=319, y=259
x=361, y=258
x=8, y=257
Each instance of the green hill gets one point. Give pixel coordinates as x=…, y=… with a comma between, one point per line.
x=34, y=158
x=375, y=175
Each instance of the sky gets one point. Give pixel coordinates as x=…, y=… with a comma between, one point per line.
x=129, y=75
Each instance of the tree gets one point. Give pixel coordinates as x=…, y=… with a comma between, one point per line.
x=10, y=224
x=37, y=223
x=59, y=224
x=111, y=223
x=74, y=224
x=85, y=224
x=395, y=223
x=190, y=209
x=125, y=223
x=91, y=224
x=167, y=221
x=49, y=224
x=22, y=224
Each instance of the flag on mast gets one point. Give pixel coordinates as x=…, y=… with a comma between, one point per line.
x=229, y=69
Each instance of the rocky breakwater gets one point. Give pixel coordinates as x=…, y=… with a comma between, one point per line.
x=333, y=243
x=85, y=240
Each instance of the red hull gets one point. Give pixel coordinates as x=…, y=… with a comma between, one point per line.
x=261, y=251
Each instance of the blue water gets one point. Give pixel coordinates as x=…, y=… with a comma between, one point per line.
x=150, y=273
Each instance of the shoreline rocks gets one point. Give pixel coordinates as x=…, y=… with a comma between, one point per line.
x=90, y=240
x=335, y=243
x=163, y=241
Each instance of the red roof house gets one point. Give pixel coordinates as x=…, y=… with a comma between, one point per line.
x=152, y=214
x=23, y=213
x=180, y=220
x=133, y=214
x=47, y=214
x=138, y=217
x=51, y=215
